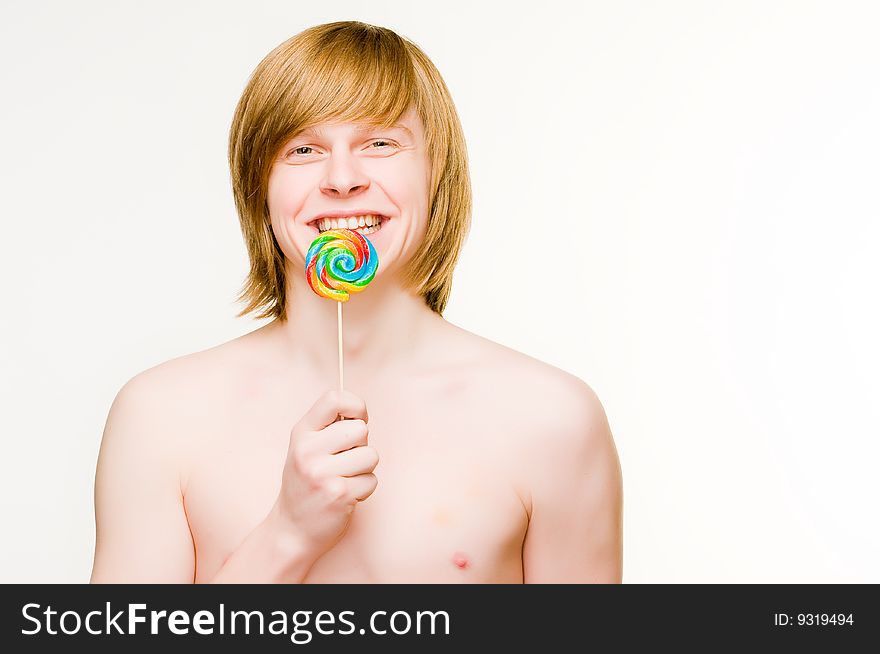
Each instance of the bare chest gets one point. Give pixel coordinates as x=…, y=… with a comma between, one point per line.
x=447, y=507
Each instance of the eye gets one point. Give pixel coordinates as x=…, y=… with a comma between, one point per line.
x=297, y=150
x=381, y=141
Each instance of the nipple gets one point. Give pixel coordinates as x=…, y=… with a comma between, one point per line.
x=460, y=560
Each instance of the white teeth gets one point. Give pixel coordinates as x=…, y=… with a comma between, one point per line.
x=368, y=230
x=357, y=223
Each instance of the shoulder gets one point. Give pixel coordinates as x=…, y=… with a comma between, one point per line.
x=180, y=383
x=160, y=409
x=148, y=413
x=166, y=390
x=553, y=418
x=542, y=396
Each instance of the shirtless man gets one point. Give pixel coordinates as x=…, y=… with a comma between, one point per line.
x=459, y=460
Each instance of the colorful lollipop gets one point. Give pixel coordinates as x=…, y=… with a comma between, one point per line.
x=340, y=262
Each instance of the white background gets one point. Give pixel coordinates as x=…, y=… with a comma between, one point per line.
x=676, y=202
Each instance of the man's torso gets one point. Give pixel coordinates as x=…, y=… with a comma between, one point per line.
x=451, y=501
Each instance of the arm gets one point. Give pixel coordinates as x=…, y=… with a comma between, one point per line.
x=269, y=555
x=575, y=526
x=141, y=531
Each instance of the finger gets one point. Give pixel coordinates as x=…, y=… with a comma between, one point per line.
x=339, y=437
x=332, y=404
x=356, y=461
x=362, y=486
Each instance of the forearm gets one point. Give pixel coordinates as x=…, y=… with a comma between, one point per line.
x=270, y=554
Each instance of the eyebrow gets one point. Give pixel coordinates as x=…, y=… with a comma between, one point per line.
x=360, y=129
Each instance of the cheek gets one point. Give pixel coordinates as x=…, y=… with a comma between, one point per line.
x=408, y=187
x=282, y=196
x=285, y=202
x=274, y=195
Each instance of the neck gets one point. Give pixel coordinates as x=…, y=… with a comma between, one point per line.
x=383, y=327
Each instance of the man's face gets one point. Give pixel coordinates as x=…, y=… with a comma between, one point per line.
x=338, y=168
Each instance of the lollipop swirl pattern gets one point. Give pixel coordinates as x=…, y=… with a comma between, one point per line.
x=340, y=262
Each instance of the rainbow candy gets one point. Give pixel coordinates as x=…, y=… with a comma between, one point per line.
x=340, y=262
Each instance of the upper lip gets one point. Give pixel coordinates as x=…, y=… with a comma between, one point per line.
x=348, y=214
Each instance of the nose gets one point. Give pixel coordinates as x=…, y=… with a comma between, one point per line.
x=344, y=178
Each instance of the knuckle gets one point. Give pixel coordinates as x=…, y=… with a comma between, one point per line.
x=330, y=398
x=335, y=489
x=359, y=428
x=307, y=469
x=313, y=478
x=300, y=458
x=356, y=402
x=372, y=455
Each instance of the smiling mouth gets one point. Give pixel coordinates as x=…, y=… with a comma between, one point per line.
x=363, y=225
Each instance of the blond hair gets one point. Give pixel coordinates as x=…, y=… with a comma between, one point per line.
x=346, y=71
